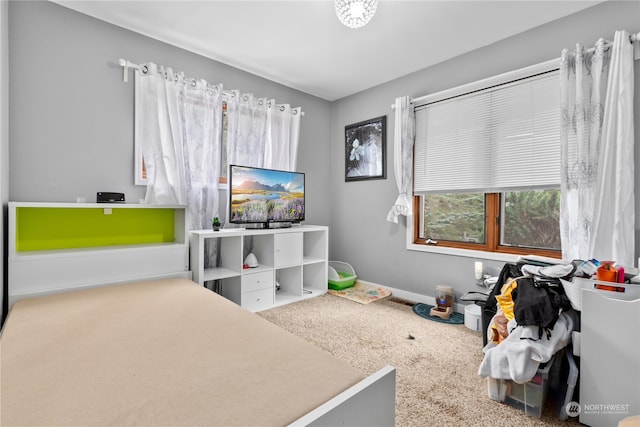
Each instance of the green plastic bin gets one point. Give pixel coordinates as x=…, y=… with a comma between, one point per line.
x=347, y=276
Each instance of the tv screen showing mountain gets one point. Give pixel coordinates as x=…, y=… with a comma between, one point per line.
x=261, y=195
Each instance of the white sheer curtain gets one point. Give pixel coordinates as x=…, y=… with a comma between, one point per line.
x=592, y=196
x=179, y=129
x=404, y=136
x=283, y=133
x=159, y=132
x=246, y=129
x=261, y=133
x=614, y=214
x=201, y=112
x=583, y=76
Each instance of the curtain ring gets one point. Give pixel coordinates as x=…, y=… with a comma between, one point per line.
x=282, y=108
x=145, y=69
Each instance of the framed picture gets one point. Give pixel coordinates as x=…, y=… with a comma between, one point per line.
x=365, y=150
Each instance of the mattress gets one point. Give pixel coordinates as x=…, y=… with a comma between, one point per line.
x=164, y=352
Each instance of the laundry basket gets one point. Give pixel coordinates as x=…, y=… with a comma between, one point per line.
x=346, y=275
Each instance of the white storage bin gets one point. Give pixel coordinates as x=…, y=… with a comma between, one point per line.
x=623, y=291
x=473, y=317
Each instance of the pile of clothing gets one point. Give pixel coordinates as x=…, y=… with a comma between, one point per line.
x=533, y=321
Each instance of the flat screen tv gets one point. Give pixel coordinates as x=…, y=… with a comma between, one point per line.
x=264, y=196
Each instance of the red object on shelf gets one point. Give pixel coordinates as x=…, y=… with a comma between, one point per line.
x=606, y=272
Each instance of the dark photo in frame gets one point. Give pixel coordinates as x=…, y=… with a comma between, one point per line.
x=365, y=150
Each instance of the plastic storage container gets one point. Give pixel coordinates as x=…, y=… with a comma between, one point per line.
x=346, y=276
x=529, y=397
x=623, y=291
x=472, y=317
x=572, y=381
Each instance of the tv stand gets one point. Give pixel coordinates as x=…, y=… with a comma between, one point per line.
x=267, y=225
x=292, y=264
x=276, y=225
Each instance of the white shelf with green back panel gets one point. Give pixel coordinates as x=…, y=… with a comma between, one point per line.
x=65, y=245
x=292, y=264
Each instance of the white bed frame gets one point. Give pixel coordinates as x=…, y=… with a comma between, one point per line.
x=367, y=403
x=371, y=402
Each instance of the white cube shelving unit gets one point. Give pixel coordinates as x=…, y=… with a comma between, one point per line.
x=292, y=262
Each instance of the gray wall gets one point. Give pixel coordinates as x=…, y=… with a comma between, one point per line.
x=4, y=136
x=72, y=115
x=359, y=232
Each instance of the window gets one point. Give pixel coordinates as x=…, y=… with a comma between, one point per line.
x=454, y=217
x=530, y=219
x=486, y=165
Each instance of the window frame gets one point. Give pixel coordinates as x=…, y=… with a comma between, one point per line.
x=493, y=209
x=491, y=249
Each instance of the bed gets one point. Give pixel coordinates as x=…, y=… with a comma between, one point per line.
x=118, y=334
x=171, y=352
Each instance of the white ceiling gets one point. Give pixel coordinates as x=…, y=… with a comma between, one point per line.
x=301, y=44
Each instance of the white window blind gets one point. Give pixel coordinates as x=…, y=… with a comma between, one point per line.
x=503, y=138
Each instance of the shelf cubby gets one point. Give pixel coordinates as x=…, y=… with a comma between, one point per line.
x=295, y=258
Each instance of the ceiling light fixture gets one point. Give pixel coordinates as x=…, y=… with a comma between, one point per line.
x=355, y=13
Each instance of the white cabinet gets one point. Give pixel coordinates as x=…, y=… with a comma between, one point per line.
x=609, y=359
x=292, y=264
x=287, y=249
x=253, y=291
x=257, y=281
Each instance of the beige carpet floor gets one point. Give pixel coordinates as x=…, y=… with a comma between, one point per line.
x=437, y=380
